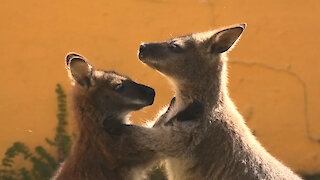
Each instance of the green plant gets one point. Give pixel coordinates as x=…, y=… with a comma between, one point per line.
x=62, y=140
x=43, y=164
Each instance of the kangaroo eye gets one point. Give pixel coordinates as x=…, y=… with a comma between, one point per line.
x=175, y=48
x=119, y=87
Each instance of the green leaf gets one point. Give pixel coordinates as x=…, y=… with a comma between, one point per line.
x=50, y=142
x=46, y=156
x=25, y=174
x=43, y=164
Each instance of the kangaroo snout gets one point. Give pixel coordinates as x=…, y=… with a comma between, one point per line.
x=149, y=94
x=142, y=47
x=148, y=51
x=142, y=50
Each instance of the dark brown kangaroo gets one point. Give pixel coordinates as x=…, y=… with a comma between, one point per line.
x=101, y=101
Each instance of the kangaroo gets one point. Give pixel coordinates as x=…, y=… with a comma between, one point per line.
x=101, y=102
x=105, y=147
x=220, y=145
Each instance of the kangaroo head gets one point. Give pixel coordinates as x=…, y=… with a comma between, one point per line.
x=189, y=57
x=108, y=90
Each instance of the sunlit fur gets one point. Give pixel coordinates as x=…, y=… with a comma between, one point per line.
x=104, y=148
x=220, y=145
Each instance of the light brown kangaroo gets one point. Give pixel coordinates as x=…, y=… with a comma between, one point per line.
x=220, y=144
x=101, y=101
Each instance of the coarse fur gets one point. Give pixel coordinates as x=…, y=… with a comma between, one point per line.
x=103, y=148
x=220, y=144
x=106, y=147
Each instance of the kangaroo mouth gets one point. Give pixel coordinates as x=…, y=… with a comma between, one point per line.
x=146, y=59
x=141, y=56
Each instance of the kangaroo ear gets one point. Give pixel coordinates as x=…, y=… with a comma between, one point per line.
x=79, y=69
x=223, y=40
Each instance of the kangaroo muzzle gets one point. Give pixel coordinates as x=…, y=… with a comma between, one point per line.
x=152, y=51
x=147, y=94
x=140, y=95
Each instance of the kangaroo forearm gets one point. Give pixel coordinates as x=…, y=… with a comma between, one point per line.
x=164, y=117
x=165, y=141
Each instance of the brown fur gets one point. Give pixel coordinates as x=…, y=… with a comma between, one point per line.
x=220, y=145
x=104, y=148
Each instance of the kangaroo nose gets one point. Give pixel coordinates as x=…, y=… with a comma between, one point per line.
x=142, y=51
x=150, y=93
x=142, y=47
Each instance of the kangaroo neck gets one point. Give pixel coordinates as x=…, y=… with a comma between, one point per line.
x=209, y=87
x=92, y=140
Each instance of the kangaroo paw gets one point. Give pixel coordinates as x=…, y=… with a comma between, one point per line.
x=163, y=118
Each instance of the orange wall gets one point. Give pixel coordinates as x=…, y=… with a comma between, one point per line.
x=274, y=70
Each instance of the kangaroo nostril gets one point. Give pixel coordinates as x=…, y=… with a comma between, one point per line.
x=142, y=47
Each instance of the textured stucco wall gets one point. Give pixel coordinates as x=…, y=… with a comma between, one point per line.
x=274, y=70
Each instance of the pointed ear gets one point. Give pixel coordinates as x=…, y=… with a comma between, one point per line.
x=79, y=69
x=223, y=40
x=72, y=55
